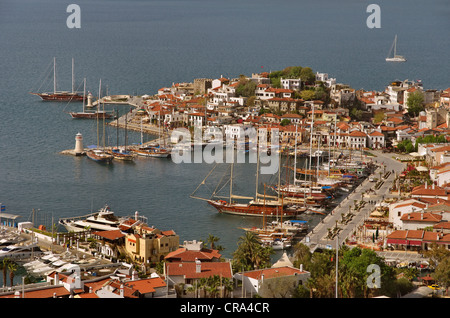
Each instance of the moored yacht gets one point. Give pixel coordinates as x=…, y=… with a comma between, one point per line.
x=20, y=251
x=103, y=220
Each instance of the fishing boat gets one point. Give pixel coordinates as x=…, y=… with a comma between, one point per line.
x=395, y=57
x=60, y=96
x=102, y=220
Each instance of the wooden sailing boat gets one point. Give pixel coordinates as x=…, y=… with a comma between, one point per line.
x=89, y=114
x=99, y=154
x=60, y=96
x=154, y=151
x=395, y=57
x=254, y=207
x=122, y=153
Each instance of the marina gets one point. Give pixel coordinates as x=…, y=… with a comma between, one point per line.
x=353, y=146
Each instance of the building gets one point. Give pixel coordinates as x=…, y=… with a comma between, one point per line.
x=417, y=239
x=376, y=140
x=291, y=83
x=398, y=209
x=191, y=272
x=262, y=282
x=150, y=245
x=192, y=251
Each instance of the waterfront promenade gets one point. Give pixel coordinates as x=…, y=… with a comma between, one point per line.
x=319, y=237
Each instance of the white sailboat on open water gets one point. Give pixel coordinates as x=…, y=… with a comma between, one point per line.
x=395, y=58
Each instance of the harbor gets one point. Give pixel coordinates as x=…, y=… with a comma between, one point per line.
x=241, y=159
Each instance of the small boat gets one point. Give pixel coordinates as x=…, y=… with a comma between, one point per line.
x=395, y=57
x=155, y=152
x=99, y=155
x=122, y=154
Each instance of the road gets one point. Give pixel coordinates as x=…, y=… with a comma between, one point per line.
x=318, y=237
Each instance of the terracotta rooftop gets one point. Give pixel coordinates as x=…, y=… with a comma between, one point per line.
x=208, y=269
x=421, y=217
x=185, y=255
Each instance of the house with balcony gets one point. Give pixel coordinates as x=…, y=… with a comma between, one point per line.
x=150, y=245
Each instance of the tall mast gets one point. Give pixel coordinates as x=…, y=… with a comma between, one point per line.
x=84, y=93
x=98, y=109
x=310, y=143
x=257, y=174
x=395, y=45
x=73, y=88
x=231, y=182
x=295, y=156
x=54, y=75
x=126, y=134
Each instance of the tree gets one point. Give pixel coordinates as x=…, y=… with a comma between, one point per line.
x=302, y=255
x=307, y=75
x=308, y=94
x=378, y=117
x=415, y=103
x=212, y=240
x=250, y=254
x=442, y=273
x=12, y=267
x=285, y=122
x=246, y=88
x=4, y=267
x=353, y=273
x=436, y=254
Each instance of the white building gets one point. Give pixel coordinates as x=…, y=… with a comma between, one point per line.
x=323, y=77
x=291, y=83
x=398, y=209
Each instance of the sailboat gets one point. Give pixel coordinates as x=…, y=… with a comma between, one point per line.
x=89, y=114
x=255, y=207
x=152, y=150
x=395, y=58
x=99, y=154
x=122, y=153
x=60, y=96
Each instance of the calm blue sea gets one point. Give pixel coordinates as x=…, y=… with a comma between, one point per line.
x=137, y=46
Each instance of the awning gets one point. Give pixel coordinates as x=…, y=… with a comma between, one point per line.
x=396, y=241
x=415, y=243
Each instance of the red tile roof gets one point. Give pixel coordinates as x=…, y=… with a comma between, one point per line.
x=185, y=255
x=58, y=291
x=357, y=133
x=145, y=286
x=208, y=269
x=110, y=235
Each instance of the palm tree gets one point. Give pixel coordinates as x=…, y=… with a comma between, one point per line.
x=250, y=254
x=13, y=267
x=4, y=267
x=212, y=240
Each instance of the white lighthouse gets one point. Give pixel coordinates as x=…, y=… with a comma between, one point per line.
x=79, y=150
x=89, y=100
